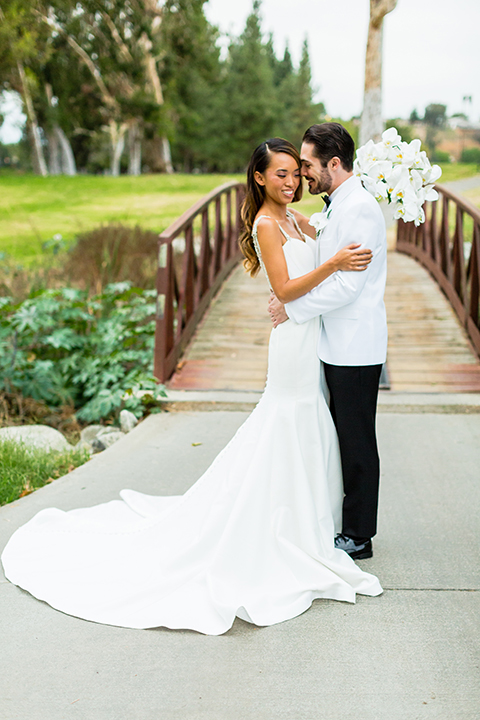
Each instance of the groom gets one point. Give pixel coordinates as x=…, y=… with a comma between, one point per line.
x=353, y=334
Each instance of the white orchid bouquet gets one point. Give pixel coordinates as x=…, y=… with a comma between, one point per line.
x=399, y=172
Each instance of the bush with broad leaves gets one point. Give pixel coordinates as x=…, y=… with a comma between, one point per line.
x=61, y=347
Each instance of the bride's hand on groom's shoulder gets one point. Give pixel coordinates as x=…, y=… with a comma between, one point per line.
x=353, y=257
x=276, y=310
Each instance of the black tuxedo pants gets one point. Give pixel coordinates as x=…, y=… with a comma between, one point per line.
x=353, y=404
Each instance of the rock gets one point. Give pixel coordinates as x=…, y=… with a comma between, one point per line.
x=127, y=421
x=107, y=430
x=103, y=441
x=82, y=445
x=38, y=436
x=90, y=432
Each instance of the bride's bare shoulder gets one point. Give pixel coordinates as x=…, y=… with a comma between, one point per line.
x=265, y=223
x=268, y=232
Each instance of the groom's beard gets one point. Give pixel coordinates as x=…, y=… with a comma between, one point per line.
x=323, y=184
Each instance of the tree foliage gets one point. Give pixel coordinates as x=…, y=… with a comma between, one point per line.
x=130, y=82
x=435, y=115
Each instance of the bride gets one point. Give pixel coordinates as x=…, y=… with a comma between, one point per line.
x=254, y=537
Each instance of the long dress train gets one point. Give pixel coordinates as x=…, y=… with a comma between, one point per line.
x=252, y=538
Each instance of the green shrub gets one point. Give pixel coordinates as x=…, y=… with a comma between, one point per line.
x=113, y=253
x=61, y=347
x=440, y=156
x=471, y=155
x=25, y=469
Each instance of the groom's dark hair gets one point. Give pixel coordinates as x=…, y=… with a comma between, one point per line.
x=330, y=140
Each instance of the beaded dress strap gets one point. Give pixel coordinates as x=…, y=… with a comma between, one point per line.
x=300, y=232
x=256, y=245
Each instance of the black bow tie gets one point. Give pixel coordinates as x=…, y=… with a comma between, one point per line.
x=326, y=200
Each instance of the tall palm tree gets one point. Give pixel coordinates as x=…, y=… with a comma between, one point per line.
x=371, y=125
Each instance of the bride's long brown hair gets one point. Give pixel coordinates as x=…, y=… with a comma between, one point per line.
x=255, y=196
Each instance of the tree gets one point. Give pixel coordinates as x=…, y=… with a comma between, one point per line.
x=250, y=105
x=23, y=41
x=435, y=115
x=371, y=125
x=295, y=94
x=414, y=117
x=114, y=43
x=192, y=77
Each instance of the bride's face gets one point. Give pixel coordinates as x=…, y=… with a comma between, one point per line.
x=281, y=179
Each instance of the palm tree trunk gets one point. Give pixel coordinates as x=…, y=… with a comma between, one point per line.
x=371, y=125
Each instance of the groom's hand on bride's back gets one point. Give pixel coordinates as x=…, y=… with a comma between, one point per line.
x=276, y=310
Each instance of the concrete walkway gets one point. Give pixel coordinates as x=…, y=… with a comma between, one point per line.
x=459, y=186
x=411, y=653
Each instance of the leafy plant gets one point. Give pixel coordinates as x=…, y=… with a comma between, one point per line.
x=471, y=155
x=62, y=347
x=440, y=156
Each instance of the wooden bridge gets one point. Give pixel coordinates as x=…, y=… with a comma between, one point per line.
x=432, y=300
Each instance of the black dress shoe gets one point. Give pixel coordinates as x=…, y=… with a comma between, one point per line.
x=358, y=550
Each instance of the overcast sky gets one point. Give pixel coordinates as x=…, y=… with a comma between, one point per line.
x=431, y=51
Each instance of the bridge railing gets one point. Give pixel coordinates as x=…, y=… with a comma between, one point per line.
x=448, y=245
x=195, y=255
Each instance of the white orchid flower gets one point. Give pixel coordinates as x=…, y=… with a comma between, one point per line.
x=404, y=194
x=430, y=193
x=357, y=170
x=379, y=170
x=416, y=180
x=381, y=190
x=319, y=221
x=420, y=217
x=420, y=195
x=368, y=154
x=398, y=177
x=408, y=211
x=415, y=145
x=365, y=154
x=391, y=137
x=432, y=175
x=373, y=186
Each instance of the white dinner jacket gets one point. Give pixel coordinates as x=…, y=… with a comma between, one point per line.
x=353, y=320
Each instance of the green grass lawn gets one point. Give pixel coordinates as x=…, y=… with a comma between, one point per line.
x=473, y=196
x=458, y=171
x=24, y=469
x=33, y=209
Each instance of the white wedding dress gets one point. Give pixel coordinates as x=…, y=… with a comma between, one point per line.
x=253, y=538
